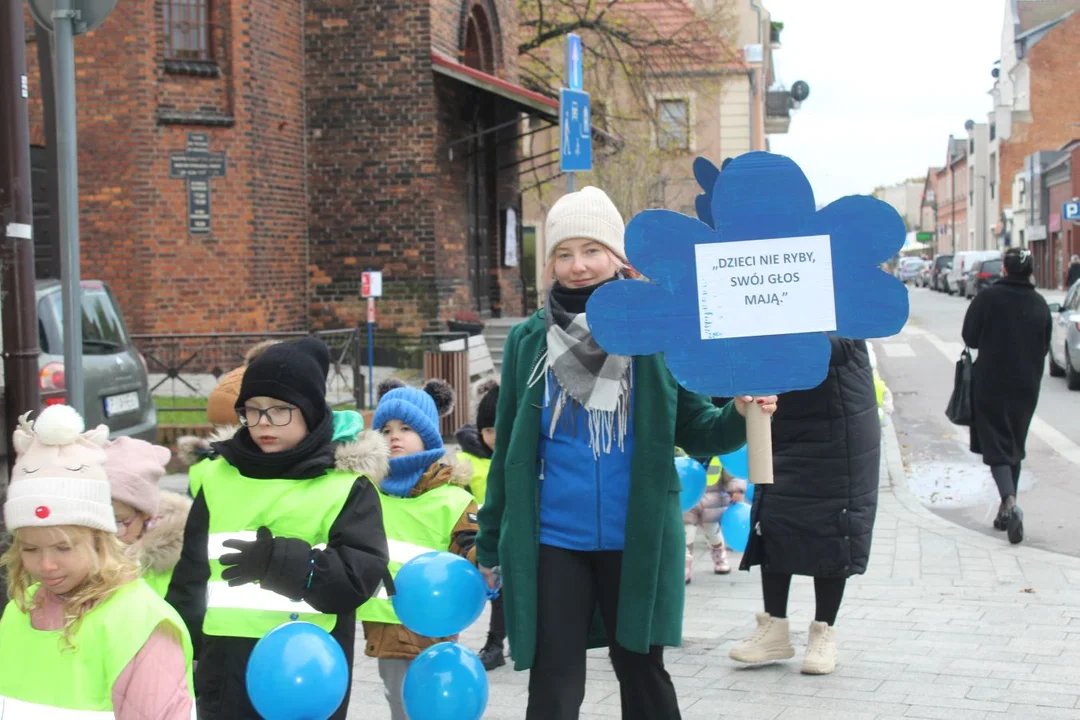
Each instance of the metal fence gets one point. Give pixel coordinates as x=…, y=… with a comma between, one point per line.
x=184, y=368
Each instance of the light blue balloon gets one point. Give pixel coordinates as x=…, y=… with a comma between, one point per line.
x=693, y=478
x=297, y=672
x=439, y=594
x=750, y=492
x=737, y=463
x=735, y=526
x=445, y=682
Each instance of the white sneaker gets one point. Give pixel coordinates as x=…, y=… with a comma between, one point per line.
x=820, y=650
x=771, y=641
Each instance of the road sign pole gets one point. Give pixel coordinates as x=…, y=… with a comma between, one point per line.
x=371, y=352
x=63, y=18
x=570, y=183
x=20, y=336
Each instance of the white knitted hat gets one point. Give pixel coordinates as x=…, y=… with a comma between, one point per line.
x=588, y=213
x=59, y=475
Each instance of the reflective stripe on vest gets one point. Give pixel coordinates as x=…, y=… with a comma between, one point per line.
x=38, y=671
x=12, y=709
x=238, y=506
x=414, y=526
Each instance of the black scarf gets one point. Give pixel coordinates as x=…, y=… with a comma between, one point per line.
x=310, y=459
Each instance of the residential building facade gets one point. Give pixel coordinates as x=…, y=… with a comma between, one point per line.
x=1040, y=47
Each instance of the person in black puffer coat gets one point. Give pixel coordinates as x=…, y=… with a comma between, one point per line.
x=818, y=516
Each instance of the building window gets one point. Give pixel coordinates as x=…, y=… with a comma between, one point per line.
x=479, y=50
x=971, y=146
x=993, y=131
x=673, y=124
x=187, y=30
x=993, y=187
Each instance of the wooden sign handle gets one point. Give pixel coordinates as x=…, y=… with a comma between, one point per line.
x=759, y=445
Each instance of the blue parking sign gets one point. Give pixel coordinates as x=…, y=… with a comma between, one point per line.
x=575, y=131
x=1071, y=210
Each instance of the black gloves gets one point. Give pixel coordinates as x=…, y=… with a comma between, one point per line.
x=283, y=565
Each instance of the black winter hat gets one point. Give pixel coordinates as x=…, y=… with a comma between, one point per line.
x=293, y=372
x=489, y=400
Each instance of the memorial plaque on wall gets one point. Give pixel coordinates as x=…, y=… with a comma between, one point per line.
x=196, y=165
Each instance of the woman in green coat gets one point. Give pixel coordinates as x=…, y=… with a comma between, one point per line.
x=582, y=516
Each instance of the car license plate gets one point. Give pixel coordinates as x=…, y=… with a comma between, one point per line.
x=119, y=404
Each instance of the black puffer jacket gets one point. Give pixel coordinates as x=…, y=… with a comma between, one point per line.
x=818, y=516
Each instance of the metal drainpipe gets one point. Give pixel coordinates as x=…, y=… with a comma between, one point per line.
x=754, y=79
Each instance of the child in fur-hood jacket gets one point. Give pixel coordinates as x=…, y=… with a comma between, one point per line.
x=286, y=524
x=426, y=506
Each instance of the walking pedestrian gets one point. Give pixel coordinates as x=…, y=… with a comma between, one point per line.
x=1074, y=271
x=1009, y=324
x=286, y=524
x=83, y=635
x=582, y=508
x=706, y=515
x=477, y=446
x=817, y=518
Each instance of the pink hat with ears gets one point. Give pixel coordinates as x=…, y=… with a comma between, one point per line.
x=135, y=468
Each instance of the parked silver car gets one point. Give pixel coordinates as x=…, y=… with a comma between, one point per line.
x=1065, y=343
x=116, y=390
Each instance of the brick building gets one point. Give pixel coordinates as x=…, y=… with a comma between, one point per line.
x=1040, y=53
x=951, y=192
x=1061, y=180
x=242, y=162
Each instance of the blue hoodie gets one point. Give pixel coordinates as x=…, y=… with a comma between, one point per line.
x=583, y=499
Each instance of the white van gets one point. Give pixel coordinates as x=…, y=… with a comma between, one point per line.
x=961, y=266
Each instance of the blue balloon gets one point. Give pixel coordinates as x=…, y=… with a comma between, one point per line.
x=735, y=526
x=693, y=478
x=297, y=672
x=750, y=492
x=439, y=594
x=737, y=463
x=445, y=682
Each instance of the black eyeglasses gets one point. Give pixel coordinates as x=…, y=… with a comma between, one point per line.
x=278, y=415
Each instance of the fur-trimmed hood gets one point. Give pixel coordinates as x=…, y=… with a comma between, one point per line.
x=367, y=454
x=159, y=547
x=447, y=471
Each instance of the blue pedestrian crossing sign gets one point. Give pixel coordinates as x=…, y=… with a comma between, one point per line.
x=575, y=131
x=1071, y=210
x=573, y=62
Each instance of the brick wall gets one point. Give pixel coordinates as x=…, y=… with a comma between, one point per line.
x=1053, y=61
x=371, y=166
x=248, y=273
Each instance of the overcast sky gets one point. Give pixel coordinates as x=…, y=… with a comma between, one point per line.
x=889, y=81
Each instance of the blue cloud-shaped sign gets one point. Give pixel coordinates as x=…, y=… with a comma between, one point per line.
x=734, y=316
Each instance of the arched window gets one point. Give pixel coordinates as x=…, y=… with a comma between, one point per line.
x=479, y=47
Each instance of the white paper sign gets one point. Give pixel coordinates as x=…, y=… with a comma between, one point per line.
x=510, y=256
x=765, y=287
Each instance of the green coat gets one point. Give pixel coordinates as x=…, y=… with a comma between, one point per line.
x=652, y=586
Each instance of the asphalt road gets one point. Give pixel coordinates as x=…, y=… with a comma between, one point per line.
x=918, y=366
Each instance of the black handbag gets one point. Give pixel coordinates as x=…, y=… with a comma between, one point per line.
x=960, y=409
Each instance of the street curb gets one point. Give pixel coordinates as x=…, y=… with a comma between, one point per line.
x=931, y=521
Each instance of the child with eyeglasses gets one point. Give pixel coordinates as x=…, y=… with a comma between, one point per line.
x=286, y=525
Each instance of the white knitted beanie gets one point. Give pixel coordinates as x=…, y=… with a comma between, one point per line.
x=59, y=474
x=588, y=213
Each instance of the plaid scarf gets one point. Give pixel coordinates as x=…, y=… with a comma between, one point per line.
x=587, y=376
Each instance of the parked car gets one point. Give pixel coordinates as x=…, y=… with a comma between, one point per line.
x=908, y=268
x=983, y=273
x=922, y=278
x=116, y=387
x=962, y=261
x=1065, y=343
x=938, y=270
